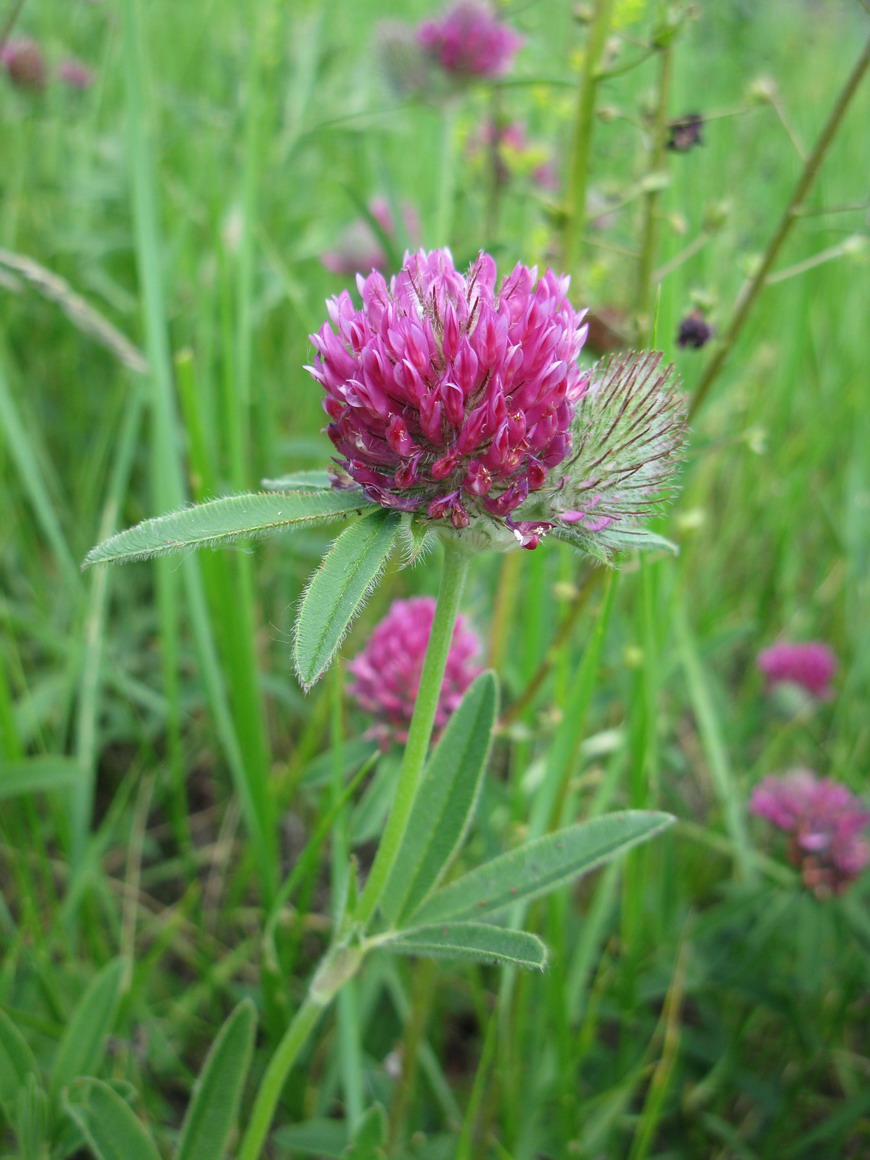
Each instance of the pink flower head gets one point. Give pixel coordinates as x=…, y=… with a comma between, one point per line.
x=387, y=672
x=74, y=74
x=358, y=249
x=447, y=396
x=824, y=821
x=469, y=42
x=24, y=63
x=810, y=665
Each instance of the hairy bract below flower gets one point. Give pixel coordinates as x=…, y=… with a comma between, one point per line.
x=811, y=665
x=825, y=823
x=462, y=402
x=386, y=674
x=469, y=41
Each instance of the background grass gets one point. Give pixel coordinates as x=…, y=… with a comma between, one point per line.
x=698, y=1003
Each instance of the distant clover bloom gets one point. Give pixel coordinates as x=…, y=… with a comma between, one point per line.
x=358, y=249
x=824, y=821
x=74, y=74
x=24, y=63
x=811, y=665
x=462, y=402
x=469, y=42
x=386, y=674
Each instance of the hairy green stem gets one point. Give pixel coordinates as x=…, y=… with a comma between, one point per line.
x=650, y=231
x=279, y=1067
x=754, y=285
x=455, y=569
x=581, y=143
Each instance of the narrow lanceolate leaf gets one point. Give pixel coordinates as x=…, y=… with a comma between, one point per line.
x=212, y=1113
x=83, y=1043
x=473, y=941
x=38, y=775
x=445, y=802
x=316, y=479
x=540, y=866
x=222, y=521
x=108, y=1123
x=338, y=590
x=16, y=1063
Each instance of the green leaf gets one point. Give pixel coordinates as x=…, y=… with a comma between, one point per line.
x=17, y=1061
x=640, y=539
x=108, y=1122
x=37, y=775
x=316, y=479
x=602, y=545
x=322, y=1138
x=369, y=1138
x=445, y=802
x=222, y=521
x=541, y=866
x=473, y=941
x=338, y=590
x=417, y=539
x=83, y=1042
x=213, y=1108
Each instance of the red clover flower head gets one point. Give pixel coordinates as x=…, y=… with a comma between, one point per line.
x=811, y=665
x=24, y=63
x=824, y=821
x=359, y=249
x=74, y=74
x=447, y=396
x=386, y=674
x=469, y=41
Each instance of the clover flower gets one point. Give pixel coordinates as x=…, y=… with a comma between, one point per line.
x=469, y=42
x=387, y=672
x=811, y=665
x=824, y=821
x=24, y=63
x=449, y=397
x=74, y=74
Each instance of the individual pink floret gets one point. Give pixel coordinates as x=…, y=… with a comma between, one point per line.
x=811, y=665
x=825, y=823
x=469, y=41
x=448, y=395
x=386, y=674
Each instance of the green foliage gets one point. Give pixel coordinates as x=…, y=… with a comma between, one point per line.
x=108, y=1123
x=445, y=803
x=38, y=775
x=540, y=866
x=17, y=1062
x=338, y=590
x=474, y=942
x=223, y=521
x=84, y=1041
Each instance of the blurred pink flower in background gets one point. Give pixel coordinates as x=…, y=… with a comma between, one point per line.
x=469, y=41
x=824, y=821
x=24, y=63
x=75, y=74
x=387, y=672
x=514, y=154
x=811, y=665
x=448, y=396
x=358, y=249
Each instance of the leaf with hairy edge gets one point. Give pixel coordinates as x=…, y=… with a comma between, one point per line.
x=83, y=1043
x=541, y=866
x=601, y=548
x=108, y=1123
x=16, y=1063
x=222, y=521
x=338, y=590
x=213, y=1108
x=320, y=480
x=445, y=802
x=473, y=941
x=38, y=775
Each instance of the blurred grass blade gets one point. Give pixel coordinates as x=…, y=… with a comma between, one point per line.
x=38, y=775
x=445, y=802
x=541, y=866
x=108, y=1123
x=338, y=590
x=211, y=1115
x=17, y=1061
x=222, y=521
x=472, y=941
x=83, y=1043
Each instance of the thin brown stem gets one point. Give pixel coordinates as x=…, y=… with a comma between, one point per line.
x=753, y=286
